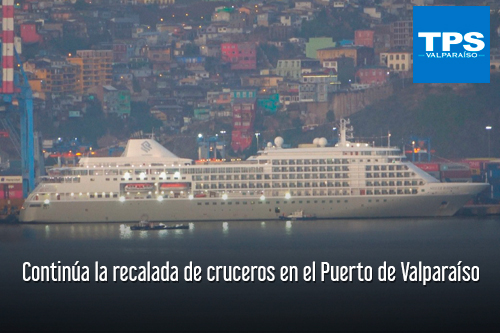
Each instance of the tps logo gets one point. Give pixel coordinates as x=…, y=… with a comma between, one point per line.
x=451, y=44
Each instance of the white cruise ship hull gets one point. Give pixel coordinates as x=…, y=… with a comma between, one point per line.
x=216, y=209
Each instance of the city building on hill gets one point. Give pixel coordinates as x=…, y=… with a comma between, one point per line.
x=402, y=34
x=364, y=38
x=95, y=68
x=362, y=55
x=53, y=76
x=116, y=101
x=293, y=68
x=241, y=56
x=397, y=61
x=315, y=87
x=372, y=75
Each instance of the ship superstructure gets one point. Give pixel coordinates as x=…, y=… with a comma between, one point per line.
x=350, y=180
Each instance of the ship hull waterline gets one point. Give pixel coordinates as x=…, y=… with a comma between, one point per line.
x=216, y=209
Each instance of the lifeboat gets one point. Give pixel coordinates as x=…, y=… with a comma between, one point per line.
x=139, y=187
x=173, y=186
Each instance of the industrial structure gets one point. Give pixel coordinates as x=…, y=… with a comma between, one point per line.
x=16, y=96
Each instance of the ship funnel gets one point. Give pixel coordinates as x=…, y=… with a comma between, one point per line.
x=146, y=147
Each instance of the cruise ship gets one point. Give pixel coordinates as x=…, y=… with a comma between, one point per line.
x=349, y=180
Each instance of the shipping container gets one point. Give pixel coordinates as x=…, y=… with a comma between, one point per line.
x=453, y=166
x=11, y=187
x=428, y=166
x=11, y=191
x=456, y=174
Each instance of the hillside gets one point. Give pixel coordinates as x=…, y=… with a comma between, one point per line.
x=454, y=117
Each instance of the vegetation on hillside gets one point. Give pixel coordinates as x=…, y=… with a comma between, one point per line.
x=454, y=117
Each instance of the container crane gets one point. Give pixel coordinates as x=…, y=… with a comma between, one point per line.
x=17, y=96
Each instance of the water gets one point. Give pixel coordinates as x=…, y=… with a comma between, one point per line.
x=269, y=306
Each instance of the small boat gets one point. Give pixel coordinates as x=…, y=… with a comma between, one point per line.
x=298, y=216
x=145, y=225
x=177, y=226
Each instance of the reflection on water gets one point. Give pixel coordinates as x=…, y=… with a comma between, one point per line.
x=443, y=241
x=125, y=231
x=288, y=227
x=225, y=228
x=97, y=231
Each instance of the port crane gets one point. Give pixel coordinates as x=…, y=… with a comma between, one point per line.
x=17, y=96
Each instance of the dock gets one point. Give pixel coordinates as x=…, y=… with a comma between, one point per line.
x=479, y=210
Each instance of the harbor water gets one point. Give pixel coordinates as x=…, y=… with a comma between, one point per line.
x=254, y=306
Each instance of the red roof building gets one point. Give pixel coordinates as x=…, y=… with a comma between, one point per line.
x=363, y=38
x=241, y=56
x=372, y=75
x=29, y=33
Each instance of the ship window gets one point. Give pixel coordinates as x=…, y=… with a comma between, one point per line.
x=92, y=179
x=107, y=179
x=92, y=196
x=199, y=203
x=237, y=202
x=229, y=203
x=207, y=203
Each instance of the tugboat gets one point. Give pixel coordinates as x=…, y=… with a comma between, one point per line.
x=298, y=216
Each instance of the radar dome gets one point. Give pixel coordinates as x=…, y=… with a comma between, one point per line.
x=315, y=141
x=322, y=142
x=269, y=145
x=279, y=141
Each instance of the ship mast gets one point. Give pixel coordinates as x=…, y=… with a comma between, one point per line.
x=345, y=131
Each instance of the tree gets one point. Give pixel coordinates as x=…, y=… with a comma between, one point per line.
x=136, y=86
x=81, y=5
x=330, y=116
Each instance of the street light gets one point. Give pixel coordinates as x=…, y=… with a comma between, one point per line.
x=488, y=129
x=413, y=151
x=257, y=136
